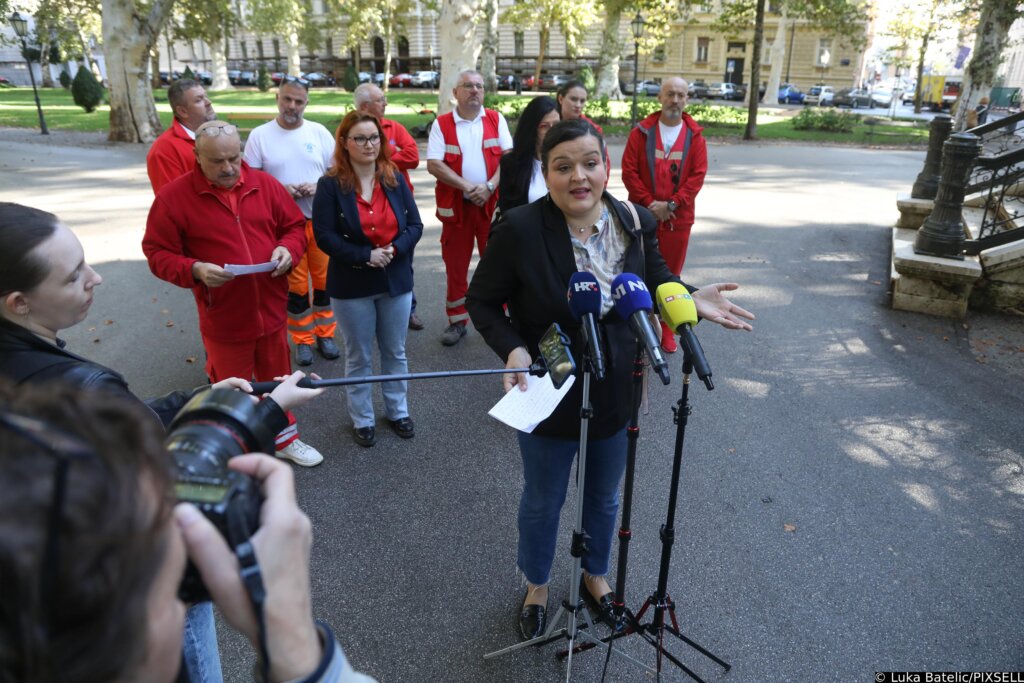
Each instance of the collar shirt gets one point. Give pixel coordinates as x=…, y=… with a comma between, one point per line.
x=603, y=255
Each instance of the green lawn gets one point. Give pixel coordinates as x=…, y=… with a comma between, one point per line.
x=17, y=109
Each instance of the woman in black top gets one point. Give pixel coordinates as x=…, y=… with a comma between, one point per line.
x=521, y=179
x=532, y=253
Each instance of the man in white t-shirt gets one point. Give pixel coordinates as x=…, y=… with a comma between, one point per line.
x=297, y=152
x=463, y=153
x=663, y=168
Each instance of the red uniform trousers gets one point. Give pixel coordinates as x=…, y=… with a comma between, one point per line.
x=457, y=251
x=305, y=325
x=261, y=359
x=672, y=242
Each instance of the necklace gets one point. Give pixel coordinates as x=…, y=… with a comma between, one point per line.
x=584, y=228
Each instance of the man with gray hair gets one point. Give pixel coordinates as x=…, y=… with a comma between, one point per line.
x=225, y=212
x=171, y=155
x=404, y=152
x=463, y=152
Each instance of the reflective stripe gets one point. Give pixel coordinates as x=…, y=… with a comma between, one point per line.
x=447, y=213
x=491, y=142
x=326, y=320
x=457, y=302
x=317, y=309
x=296, y=327
x=287, y=433
x=452, y=149
x=672, y=156
x=458, y=318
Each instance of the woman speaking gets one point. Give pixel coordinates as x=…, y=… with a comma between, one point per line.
x=532, y=253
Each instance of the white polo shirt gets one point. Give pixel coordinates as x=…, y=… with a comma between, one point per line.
x=296, y=156
x=471, y=141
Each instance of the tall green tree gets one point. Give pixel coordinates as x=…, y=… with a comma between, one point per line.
x=213, y=22
x=130, y=30
x=912, y=27
x=460, y=46
x=572, y=18
x=286, y=18
x=660, y=19
x=991, y=37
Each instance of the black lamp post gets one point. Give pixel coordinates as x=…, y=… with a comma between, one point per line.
x=20, y=26
x=637, y=26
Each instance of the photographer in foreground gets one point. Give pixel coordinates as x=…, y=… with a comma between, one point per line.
x=92, y=550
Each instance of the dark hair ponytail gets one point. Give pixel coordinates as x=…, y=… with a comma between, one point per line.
x=22, y=229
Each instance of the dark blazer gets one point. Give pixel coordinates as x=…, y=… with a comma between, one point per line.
x=339, y=234
x=528, y=263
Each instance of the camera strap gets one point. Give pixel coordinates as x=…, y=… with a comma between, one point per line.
x=252, y=579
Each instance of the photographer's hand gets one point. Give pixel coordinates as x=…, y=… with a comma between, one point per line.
x=282, y=546
x=235, y=383
x=289, y=396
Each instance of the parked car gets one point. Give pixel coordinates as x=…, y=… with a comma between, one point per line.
x=248, y=78
x=821, y=95
x=697, y=90
x=234, y=76
x=400, y=80
x=319, y=80
x=4, y=83
x=649, y=88
x=166, y=78
x=881, y=98
x=553, y=81
x=378, y=78
x=790, y=94
x=529, y=82
x=853, y=98
x=723, y=91
x=204, y=77
x=425, y=79
x=365, y=77
x=277, y=76
x=507, y=82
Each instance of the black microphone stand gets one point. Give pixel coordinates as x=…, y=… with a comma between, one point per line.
x=660, y=600
x=573, y=605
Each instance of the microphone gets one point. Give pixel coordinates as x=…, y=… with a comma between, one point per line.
x=680, y=313
x=633, y=303
x=585, y=306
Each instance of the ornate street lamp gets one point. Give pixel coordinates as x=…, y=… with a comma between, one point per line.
x=20, y=26
x=637, y=26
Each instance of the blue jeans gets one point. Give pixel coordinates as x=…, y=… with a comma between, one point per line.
x=386, y=319
x=202, y=658
x=547, y=463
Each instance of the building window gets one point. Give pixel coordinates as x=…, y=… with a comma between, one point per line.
x=739, y=47
x=519, y=40
x=329, y=44
x=706, y=7
x=658, y=55
x=703, y=48
x=766, y=53
x=824, y=56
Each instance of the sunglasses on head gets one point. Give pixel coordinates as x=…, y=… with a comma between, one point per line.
x=214, y=131
x=297, y=81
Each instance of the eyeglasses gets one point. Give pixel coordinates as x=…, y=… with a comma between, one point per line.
x=64, y=448
x=214, y=131
x=471, y=86
x=297, y=81
x=674, y=168
x=362, y=140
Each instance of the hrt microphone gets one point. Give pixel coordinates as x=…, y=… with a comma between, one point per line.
x=585, y=306
x=633, y=303
x=680, y=313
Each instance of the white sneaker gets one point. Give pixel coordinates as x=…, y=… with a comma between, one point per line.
x=301, y=454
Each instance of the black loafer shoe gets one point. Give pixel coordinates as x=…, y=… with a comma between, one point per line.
x=365, y=436
x=603, y=607
x=533, y=619
x=404, y=427
x=328, y=349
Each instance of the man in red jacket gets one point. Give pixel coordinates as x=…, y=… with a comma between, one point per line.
x=663, y=168
x=222, y=213
x=172, y=154
x=404, y=152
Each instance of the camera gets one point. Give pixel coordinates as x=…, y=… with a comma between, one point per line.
x=213, y=427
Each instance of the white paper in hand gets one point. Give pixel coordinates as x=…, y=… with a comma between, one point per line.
x=249, y=269
x=524, y=410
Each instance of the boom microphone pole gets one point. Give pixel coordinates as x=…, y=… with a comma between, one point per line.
x=538, y=369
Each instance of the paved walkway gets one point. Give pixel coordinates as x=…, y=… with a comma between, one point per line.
x=851, y=492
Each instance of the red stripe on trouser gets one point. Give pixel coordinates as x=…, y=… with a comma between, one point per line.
x=457, y=241
x=261, y=359
x=672, y=245
x=312, y=266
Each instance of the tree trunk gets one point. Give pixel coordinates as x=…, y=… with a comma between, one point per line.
x=920, y=67
x=154, y=67
x=611, y=50
x=294, y=56
x=219, y=66
x=771, y=90
x=44, y=64
x=545, y=36
x=755, y=74
x=489, y=57
x=460, y=46
x=388, y=54
x=128, y=37
x=990, y=39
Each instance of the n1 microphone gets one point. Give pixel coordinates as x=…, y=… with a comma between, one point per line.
x=680, y=313
x=633, y=303
x=585, y=306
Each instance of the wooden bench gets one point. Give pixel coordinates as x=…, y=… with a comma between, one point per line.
x=871, y=122
x=246, y=121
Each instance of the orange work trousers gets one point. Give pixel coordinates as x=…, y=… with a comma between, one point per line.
x=305, y=323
